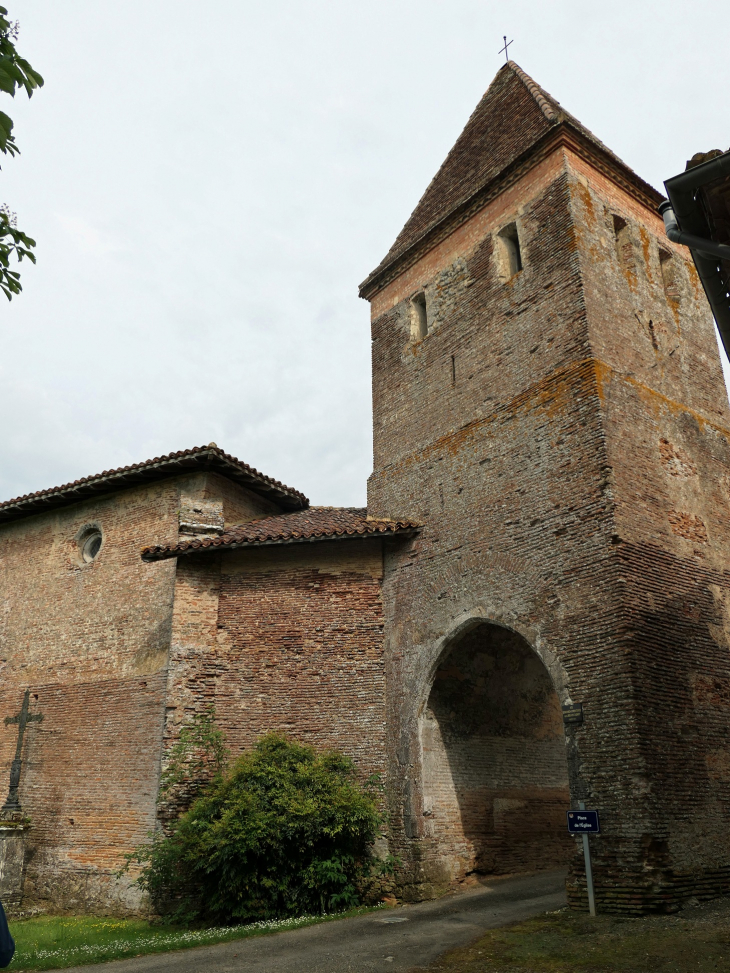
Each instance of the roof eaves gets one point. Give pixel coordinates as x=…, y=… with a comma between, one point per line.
x=170, y=465
x=589, y=148
x=221, y=544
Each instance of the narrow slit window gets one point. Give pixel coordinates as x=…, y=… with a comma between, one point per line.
x=511, y=252
x=624, y=246
x=419, y=317
x=668, y=265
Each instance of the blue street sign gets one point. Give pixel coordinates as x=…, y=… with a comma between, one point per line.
x=583, y=822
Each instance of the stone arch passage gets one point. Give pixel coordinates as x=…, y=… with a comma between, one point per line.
x=495, y=776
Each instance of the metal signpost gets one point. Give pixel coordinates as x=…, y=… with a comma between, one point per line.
x=584, y=822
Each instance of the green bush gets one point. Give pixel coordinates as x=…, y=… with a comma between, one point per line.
x=285, y=831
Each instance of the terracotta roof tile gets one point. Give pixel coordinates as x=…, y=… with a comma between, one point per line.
x=313, y=524
x=201, y=458
x=512, y=117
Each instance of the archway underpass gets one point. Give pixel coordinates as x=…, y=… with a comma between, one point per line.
x=495, y=777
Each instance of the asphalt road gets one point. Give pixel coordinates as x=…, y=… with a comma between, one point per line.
x=394, y=939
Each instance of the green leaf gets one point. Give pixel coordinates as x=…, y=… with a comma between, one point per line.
x=6, y=83
x=35, y=79
x=13, y=243
x=15, y=72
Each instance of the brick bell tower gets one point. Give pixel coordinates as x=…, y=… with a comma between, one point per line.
x=549, y=403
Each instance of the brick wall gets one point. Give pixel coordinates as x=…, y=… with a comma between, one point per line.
x=92, y=643
x=563, y=436
x=283, y=638
x=235, y=504
x=89, y=785
x=667, y=429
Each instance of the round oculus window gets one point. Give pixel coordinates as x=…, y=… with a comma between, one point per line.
x=90, y=545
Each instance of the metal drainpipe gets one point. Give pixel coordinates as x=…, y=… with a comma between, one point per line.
x=676, y=235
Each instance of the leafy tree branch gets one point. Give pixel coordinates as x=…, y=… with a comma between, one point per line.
x=15, y=73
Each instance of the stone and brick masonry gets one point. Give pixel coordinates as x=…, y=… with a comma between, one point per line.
x=561, y=431
x=119, y=652
x=547, y=523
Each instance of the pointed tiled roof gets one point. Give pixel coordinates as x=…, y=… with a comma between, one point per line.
x=513, y=117
x=313, y=524
x=200, y=459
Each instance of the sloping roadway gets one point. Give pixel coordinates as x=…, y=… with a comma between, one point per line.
x=391, y=939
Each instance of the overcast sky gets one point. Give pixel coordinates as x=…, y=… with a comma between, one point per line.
x=208, y=183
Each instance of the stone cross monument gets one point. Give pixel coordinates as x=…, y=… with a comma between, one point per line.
x=12, y=824
x=12, y=804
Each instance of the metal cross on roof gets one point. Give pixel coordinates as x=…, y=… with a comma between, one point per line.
x=12, y=804
x=504, y=49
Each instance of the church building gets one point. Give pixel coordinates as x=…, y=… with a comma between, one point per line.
x=532, y=611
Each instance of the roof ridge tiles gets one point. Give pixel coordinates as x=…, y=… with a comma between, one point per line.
x=22, y=504
x=544, y=100
x=555, y=113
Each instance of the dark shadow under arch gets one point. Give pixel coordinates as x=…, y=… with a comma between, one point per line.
x=495, y=776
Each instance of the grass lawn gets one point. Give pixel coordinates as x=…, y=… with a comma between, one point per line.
x=52, y=942
x=695, y=941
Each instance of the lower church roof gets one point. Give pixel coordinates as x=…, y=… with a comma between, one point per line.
x=313, y=524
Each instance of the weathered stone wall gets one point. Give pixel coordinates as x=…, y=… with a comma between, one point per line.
x=90, y=783
x=567, y=460
x=91, y=641
x=283, y=638
x=12, y=863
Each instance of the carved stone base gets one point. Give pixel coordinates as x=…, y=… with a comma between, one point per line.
x=13, y=829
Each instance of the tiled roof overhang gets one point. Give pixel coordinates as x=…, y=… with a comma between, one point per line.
x=200, y=459
x=514, y=127
x=307, y=526
x=562, y=136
